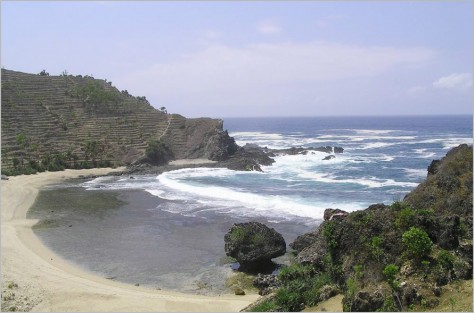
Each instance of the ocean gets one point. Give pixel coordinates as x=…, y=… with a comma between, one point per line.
x=174, y=238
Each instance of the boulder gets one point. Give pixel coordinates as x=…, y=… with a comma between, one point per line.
x=314, y=254
x=365, y=301
x=338, y=150
x=266, y=283
x=253, y=245
x=330, y=214
x=328, y=291
x=329, y=157
x=303, y=241
x=327, y=149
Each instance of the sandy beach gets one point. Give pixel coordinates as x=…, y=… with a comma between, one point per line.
x=42, y=281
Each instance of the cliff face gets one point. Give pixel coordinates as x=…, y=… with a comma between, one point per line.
x=83, y=119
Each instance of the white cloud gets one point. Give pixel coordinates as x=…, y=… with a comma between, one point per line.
x=458, y=81
x=264, y=75
x=268, y=27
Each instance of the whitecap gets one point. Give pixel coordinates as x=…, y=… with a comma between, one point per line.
x=415, y=172
x=371, y=182
x=235, y=201
x=375, y=145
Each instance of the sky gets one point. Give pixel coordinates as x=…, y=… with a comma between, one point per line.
x=256, y=59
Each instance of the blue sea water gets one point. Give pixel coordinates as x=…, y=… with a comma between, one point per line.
x=384, y=158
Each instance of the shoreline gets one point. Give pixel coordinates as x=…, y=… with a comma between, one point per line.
x=52, y=284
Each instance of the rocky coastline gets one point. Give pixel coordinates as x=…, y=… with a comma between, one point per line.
x=401, y=257
x=227, y=154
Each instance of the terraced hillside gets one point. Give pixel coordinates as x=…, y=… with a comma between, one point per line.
x=85, y=120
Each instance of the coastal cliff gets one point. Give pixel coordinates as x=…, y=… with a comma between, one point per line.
x=408, y=256
x=53, y=122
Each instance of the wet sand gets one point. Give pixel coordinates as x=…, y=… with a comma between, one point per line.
x=129, y=235
x=46, y=282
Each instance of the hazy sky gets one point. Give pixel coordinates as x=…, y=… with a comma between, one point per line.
x=285, y=58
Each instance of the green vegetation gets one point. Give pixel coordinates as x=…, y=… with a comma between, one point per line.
x=446, y=259
x=158, y=153
x=329, y=234
x=93, y=93
x=405, y=218
x=56, y=161
x=390, y=272
x=241, y=280
x=376, y=248
x=238, y=234
x=388, y=305
x=301, y=285
x=417, y=243
x=265, y=306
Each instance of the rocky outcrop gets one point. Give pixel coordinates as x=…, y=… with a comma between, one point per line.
x=365, y=301
x=329, y=157
x=248, y=158
x=220, y=146
x=304, y=151
x=305, y=240
x=448, y=187
x=354, y=248
x=330, y=214
x=266, y=283
x=338, y=150
x=253, y=244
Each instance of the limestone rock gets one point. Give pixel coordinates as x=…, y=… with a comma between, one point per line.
x=253, y=244
x=266, y=283
x=329, y=157
x=330, y=214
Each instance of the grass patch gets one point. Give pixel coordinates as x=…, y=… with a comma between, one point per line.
x=265, y=306
x=241, y=280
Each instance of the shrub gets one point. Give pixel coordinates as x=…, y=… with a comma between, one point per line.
x=405, y=218
x=311, y=296
x=390, y=271
x=288, y=300
x=300, y=284
x=388, y=305
x=329, y=230
x=376, y=247
x=296, y=271
x=446, y=259
x=417, y=242
x=158, y=153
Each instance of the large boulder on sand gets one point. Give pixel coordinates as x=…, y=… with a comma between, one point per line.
x=253, y=244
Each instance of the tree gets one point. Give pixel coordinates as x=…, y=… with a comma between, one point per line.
x=43, y=73
x=158, y=153
x=417, y=242
x=163, y=109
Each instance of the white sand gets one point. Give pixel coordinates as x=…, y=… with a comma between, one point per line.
x=191, y=162
x=48, y=283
